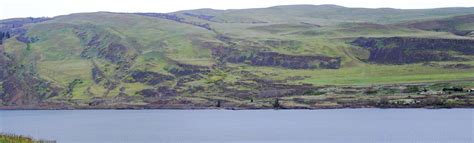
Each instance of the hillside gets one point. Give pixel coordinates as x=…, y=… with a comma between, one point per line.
x=297, y=56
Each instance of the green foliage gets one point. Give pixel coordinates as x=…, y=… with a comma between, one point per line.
x=276, y=104
x=2, y=92
x=66, y=46
x=72, y=85
x=172, y=68
x=8, y=138
x=371, y=91
x=326, y=14
x=216, y=77
x=14, y=139
x=314, y=92
x=28, y=47
x=413, y=89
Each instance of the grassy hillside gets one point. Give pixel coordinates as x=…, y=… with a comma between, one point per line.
x=459, y=25
x=325, y=14
x=238, y=57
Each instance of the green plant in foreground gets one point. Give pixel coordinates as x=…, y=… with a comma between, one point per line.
x=8, y=138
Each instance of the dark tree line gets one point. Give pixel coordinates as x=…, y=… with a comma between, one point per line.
x=3, y=36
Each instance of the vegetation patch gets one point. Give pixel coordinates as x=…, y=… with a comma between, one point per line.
x=9, y=138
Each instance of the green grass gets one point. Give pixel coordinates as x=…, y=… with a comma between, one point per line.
x=14, y=139
x=367, y=74
x=8, y=138
x=326, y=15
x=155, y=43
x=467, y=26
x=62, y=72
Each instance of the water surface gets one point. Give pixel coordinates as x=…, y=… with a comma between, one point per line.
x=246, y=126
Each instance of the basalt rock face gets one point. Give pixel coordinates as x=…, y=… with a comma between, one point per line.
x=3, y=36
x=159, y=92
x=151, y=78
x=185, y=69
x=405, y=50
x=19, y=85
x=101, y=44
x=227, y=59
x=19, y=82
x=274, y=59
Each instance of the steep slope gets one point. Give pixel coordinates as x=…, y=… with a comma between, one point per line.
x=232, y=58
x=398, y=50
x=87, y=55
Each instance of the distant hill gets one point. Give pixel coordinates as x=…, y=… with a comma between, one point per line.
x=242, y=57
x=459, y=25
x=325, y=14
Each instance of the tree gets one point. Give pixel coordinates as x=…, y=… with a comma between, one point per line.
x=276, y=104
x=413, y=89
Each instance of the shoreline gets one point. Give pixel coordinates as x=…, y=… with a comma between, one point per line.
x=10, y=108
x=282, y=103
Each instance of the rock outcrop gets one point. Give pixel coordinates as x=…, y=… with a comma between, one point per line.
x=19, y=85
x=275, y=59
x=406, y=50
x=147, y=77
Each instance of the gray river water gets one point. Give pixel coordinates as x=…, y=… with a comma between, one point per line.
x=245, y=126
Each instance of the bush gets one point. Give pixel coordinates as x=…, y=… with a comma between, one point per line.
x=9, y=138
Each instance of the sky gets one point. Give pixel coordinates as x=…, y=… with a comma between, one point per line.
x=50, y=8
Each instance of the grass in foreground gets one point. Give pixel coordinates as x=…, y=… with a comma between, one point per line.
x=8, y=138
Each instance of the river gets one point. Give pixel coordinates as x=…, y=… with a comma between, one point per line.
x=243, y=126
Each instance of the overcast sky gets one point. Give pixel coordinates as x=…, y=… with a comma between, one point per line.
x=49, y=8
